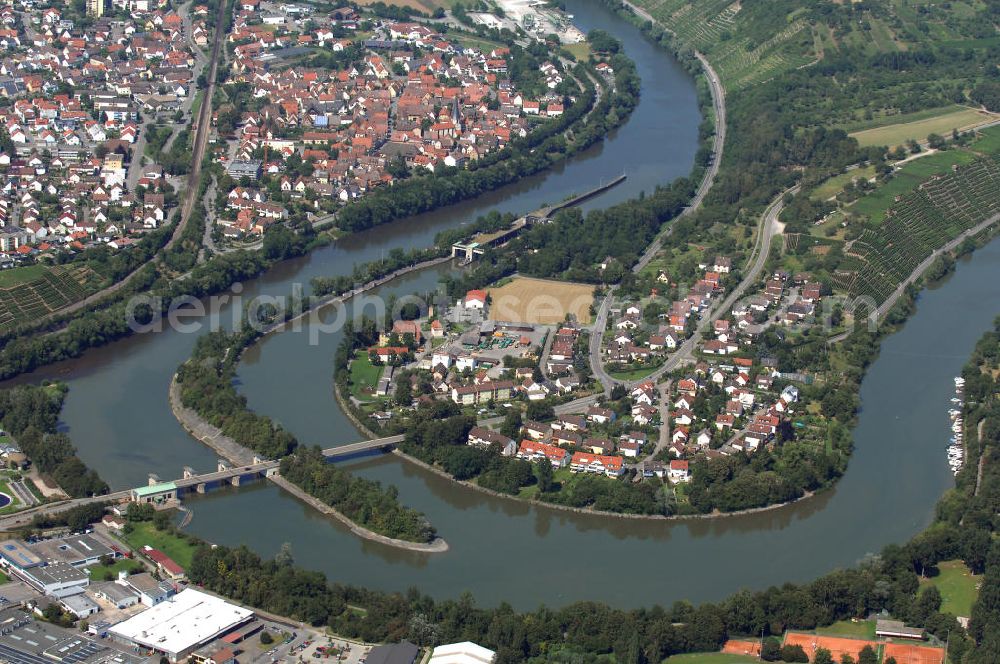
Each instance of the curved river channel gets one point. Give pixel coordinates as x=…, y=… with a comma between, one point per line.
x=118, y=417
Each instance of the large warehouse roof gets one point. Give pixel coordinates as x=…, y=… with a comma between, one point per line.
x=183, y=622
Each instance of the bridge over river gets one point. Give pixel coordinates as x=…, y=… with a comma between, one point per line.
x=226, y=474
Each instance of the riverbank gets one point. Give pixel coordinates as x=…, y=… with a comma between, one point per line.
x=601, y=513
x=207, y=433
x=235, y=453
x=438, y=545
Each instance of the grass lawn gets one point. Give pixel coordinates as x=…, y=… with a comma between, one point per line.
x=580, y=51
x=144, y=534
x=835, y=185
x=4, y=578
x=100, y=572
x=955, y=117
x=16, y=276
x=863, y=629
x=15, y=504
x=634, y=374
x=364, y=375
x=957, y=586
x=710, y=658
x=988, y=141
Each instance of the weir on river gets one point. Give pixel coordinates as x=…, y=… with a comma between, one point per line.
x=119, y=418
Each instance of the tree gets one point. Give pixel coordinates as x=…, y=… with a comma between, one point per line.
x=793, y=653
x=822, y=656
x=284, y=556
x=511, y=426
x=545, y=476
x=867, y=656
x=161, y=520
x=266, y=638
x=770, y=650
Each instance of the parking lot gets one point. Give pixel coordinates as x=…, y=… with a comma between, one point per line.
x=323, y=649
x=26, y=641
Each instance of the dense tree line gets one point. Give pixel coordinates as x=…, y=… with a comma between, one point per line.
x=30, y=414
x=206, y=382
x=363, y=501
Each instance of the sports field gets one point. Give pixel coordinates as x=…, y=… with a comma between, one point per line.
x=711, y=658
x=742, y=647
x=838, y=646
x=905, y=653
x=540, y=301
x=897, y=134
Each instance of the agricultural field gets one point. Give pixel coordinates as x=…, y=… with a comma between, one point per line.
x=921, y=220
x=956, y=117
x=47, y=291
x=909, y=176
x=957, y=585
x=540, y=301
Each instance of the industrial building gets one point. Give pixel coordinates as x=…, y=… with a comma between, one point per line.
x=182, y=624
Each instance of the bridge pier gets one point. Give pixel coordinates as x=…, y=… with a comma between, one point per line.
x=235, y=480
x=201, y=488
x=154, y=479
x=223, y=465
x=188, y=472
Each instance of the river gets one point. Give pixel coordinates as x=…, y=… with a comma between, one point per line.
x=118, y=417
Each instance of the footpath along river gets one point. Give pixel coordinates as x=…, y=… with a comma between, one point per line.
x=501, y=550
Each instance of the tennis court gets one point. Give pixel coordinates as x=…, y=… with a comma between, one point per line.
x=743, y=647
x=906, y=653
x=838, y=646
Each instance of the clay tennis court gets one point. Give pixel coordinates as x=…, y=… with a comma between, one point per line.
x=525, y=300
x=837, y=646
x=912, y=654
x=744, y=647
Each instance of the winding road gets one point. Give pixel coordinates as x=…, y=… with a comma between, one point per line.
x=718, y=145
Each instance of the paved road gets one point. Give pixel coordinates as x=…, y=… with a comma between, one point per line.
x=770, y=226
x=601, y=320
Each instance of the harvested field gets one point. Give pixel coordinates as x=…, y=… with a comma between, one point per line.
x=838, y=646
x=897, y=134
x=541, y=301
x=906, y=653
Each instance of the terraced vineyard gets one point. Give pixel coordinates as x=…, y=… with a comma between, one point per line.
x=741, y=61
x=922, y=220
x=55, y=288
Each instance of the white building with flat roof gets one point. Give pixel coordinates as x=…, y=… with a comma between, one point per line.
x=465, y=652
x=182, y=624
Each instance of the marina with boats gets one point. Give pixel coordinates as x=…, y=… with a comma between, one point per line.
x=956, y=447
